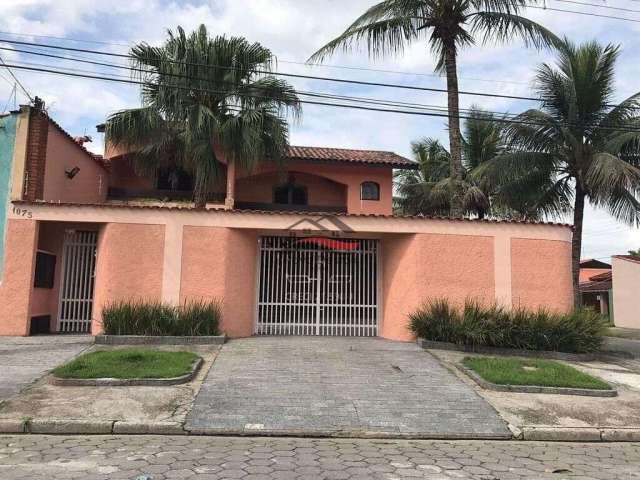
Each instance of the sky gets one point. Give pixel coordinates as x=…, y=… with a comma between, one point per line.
x=293, y=30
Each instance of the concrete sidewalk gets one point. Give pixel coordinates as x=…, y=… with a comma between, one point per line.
x=25, y=359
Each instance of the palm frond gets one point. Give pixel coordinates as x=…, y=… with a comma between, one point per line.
x=385, y=27
x=504, y=25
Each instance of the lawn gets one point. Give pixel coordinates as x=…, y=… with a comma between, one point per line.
x=540, y=373
x=128, y=363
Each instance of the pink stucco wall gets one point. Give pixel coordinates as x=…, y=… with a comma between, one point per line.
x=220, y=263
x=17, y=278
x=88, y=186
x=541, y=274
x=128, y=265
x=417, y=267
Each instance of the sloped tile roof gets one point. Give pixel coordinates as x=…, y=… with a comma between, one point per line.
x=371, y=157
x=190, y=207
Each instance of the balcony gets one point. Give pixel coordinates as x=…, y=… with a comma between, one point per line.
x=125, y=194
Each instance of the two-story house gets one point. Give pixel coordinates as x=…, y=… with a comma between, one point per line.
x=308, y=248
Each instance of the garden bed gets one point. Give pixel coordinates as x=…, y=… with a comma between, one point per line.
x=127, y=367
x=510, y=352
x=160, y=340
x=533, y=376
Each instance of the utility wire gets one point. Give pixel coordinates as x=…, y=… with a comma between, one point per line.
x=16, y=79
x=283, y=74
x=131, y=68
x=310, y=102
x=13, y=93
x=585, y=13
x=366, y=100
x=323, y=65
x=587, y=4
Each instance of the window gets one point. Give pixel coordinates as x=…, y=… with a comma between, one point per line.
x=45, y=270
x=369, y=191
x=290, y=194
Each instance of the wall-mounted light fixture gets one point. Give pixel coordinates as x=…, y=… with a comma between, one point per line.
x=72, y=173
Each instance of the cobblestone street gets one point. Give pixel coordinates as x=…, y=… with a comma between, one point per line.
x=205, y=458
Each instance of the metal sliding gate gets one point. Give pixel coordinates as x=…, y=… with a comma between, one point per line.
x=76, y=291
x=317, y=286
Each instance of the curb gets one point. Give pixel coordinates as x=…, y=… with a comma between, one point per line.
x=584, y=392
x=116, y=427
x=580, y=434
x=126, y=382
x=88, y=427
x=159, y=340
x=513, y=352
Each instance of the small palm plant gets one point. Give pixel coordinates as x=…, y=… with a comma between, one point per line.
x=577, y=147
x=203, y=95
x=446, y=26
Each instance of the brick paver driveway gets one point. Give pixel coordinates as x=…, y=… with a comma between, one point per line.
x=338, y=386
x=104, y=457
x=25, y=359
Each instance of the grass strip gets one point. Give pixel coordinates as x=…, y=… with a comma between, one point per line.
x=532, y=372
x=128, y=363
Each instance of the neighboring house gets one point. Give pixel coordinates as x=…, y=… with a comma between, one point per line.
x=312, y=248
x=595, y=286
x=626, y=291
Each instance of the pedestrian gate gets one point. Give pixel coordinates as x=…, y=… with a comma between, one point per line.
x=75, y=309
x=317, y=286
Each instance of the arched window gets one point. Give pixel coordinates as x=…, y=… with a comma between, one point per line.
x=290, y=194
x=369, y=191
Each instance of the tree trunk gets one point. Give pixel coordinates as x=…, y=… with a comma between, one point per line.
x=455, y=138
x=200, y=187
x=576, y=243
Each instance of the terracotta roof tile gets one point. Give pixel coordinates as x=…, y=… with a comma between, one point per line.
x=629, y=258
x=190, y=207
x=372, y=157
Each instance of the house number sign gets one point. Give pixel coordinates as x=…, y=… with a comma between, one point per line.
x=22, y=212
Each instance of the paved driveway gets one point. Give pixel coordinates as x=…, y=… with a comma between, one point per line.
x=338, y=386
x=25, y=359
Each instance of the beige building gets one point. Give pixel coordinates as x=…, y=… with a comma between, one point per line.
x=626, y=291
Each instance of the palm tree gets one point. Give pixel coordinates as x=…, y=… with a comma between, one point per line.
x=427, y=189
x=446, y=26
x=577, y=146
x=201, y=94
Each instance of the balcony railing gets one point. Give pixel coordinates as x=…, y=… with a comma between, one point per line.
x=117, y=193
x=287, y=207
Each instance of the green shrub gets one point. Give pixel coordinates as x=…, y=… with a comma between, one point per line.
x=137, y=317
x=495, y=326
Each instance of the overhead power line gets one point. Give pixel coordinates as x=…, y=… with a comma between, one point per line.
x=284, y=74
x=609, y=7
x=323, y=65
x=591, y=14
x=303, y=101
x=131, y=68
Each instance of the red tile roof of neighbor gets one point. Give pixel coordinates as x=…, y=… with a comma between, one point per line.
x=370, y=157
x=597, y=283
x=630, y=258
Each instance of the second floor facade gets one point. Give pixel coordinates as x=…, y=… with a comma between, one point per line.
x=50, y=165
